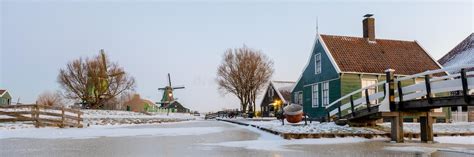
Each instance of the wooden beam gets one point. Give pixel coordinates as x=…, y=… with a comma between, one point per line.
x=367, y=100
x=400, y=93
x=426, y=127
x=450, y=101
x=465, y=87
x=397, y=128
x=352, y=106
x=428, y=89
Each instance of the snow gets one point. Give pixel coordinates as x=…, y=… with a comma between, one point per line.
x=426, y=151
x=105, y=131
x=270, y=142
x=283, y=85
x=108, y=117
x=462, y=54
x=104, y=117
x=461, y=127
x=455, y=139
x=315, y=127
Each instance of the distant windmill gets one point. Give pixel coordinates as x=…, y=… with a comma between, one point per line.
x=168, y=97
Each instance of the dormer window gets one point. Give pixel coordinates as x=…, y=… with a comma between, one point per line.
x=317, y=63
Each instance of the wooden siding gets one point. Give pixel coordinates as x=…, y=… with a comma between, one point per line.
x=308, y=78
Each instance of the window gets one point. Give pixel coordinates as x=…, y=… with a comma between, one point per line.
x=317, y=63
x=300, y=97
x=295, y=98
x=325, y=94
x=315, y=96
x=371, y=90
x=270, y=92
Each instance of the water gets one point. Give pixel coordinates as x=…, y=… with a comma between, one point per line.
x=232, y=141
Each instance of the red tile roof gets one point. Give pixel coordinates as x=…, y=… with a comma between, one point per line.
x=1, y=91
x=355, y=54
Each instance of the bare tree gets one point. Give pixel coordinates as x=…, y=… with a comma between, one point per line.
x=50, y=99
x=95, y=81
x=244, y=72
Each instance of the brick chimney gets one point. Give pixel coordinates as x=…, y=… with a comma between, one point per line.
x=368, y=25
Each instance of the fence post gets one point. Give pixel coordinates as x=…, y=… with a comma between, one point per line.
x=36, y=116
x=33, y=113
x=367, y=100
x=329, y=116
x=391, y=89
x=352, y=107
x=339, y=112
x=78, y=119
x=62, y=117
x=428, y=89
x=465, y=87
x=400, y=92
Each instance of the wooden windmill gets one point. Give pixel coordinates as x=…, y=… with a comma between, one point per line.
x=168, y=97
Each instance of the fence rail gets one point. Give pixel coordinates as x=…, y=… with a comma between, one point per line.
x=42, y=115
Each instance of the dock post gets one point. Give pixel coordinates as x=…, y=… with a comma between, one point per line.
x=397, y=128
x=391, y=89
x=426, y=128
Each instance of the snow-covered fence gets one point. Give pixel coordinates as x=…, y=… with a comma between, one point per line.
x=42, y=115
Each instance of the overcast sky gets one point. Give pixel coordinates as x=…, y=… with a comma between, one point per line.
x=187, y=39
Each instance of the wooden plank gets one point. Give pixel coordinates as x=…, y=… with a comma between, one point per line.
x=59, y=115
x=75, y=111
x=15, y=119
x=16, y=106
x=437, y=102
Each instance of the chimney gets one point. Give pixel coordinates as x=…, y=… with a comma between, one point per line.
x=368, y=25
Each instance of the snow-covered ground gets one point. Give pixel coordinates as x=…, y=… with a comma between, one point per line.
x=106, y=131
x=112, y=117
x=104, y=117
x=461, y=127
x=270, y=142
x=314, y=127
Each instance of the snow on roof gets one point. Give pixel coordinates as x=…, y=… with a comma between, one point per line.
x=281, y=86
x=2, y=91
x=462, y=54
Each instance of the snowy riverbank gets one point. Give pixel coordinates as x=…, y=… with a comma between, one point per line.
x=310, y=128
x=109, y=117
x=112, y=117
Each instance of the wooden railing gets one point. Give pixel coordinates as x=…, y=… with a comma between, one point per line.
x=462, y=80
x=42, y=115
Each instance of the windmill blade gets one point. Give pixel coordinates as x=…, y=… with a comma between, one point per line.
x=169, y=79
x=179, y=87
x=161, y=88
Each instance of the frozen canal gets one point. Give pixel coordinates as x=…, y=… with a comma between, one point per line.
x=203, y=138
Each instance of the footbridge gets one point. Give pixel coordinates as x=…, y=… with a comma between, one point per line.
x=397, y=101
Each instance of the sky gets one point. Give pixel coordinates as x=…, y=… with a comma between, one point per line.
x=151, y=38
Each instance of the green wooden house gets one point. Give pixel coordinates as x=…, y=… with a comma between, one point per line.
x=5, y=97
x=339, y=65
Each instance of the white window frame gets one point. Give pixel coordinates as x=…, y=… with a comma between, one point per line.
x=325, y=93
x=300, y=97
x=315, y=96
x=317, y=63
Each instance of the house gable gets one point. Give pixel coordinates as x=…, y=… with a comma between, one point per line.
x=329, y=72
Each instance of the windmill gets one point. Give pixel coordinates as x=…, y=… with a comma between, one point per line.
x=168, y=97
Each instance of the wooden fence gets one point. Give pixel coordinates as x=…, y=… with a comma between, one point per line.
x=42, y=115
